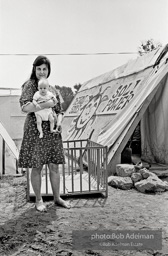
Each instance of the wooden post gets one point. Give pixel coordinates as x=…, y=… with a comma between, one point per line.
x=3, y=156
x=17, y=172
x=28, y=184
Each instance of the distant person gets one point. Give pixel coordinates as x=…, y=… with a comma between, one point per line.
x=35, y=151
x=47, y=114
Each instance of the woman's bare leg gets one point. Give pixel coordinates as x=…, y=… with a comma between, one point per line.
x=55, y=184
x=36, y=184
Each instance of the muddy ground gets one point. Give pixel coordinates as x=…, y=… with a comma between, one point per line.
x=26, y=232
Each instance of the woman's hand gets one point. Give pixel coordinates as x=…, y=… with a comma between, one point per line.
x=32, y=108
x=59, y=121
x=48, y=104
x=58, y=129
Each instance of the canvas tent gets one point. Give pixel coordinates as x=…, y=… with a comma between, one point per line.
x=10, y=152
x=109, y=107
x=11, y=129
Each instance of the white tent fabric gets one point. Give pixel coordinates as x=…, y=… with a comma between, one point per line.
x=5, y=135
x=114, y=129
x=154, y=127
x=132, y=67
x=107, y=106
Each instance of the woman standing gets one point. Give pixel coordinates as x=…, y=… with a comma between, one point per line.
x=35, y=151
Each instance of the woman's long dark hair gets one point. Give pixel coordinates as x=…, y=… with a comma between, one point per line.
x=38, y=62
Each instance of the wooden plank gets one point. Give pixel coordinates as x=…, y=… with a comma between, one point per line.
x=68, y=185
x=5, y=135
x=3, y=156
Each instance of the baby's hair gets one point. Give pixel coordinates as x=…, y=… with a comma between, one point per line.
x=43, y=81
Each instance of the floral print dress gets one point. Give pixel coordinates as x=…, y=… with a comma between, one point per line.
x=36, y=151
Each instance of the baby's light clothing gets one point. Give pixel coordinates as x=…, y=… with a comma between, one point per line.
x=43, y=113
x=40, y=98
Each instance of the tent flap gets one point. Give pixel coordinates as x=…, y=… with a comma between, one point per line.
x=154, y=127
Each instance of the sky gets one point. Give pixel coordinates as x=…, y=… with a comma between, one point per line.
x=59, y=28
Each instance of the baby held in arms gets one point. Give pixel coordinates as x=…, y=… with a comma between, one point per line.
x=46, y=114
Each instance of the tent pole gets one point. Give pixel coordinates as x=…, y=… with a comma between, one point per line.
x=3, y=156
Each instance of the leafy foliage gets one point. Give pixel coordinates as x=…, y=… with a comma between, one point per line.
x=77, y=87
x=148, y=46
x=67, y=95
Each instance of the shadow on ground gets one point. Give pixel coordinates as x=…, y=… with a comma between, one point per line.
x=29, y=232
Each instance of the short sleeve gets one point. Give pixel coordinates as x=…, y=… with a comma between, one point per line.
x=28, y=90
x=51, y=95
x=35, y=96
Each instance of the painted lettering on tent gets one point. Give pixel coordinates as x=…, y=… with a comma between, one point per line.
x=107, y=108
x=103, y=101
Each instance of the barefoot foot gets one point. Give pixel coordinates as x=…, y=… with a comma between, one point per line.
x=41, y=135
x=62, y=203
x=39, y=205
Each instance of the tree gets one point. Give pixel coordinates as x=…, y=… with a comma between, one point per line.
x=148, y=46
x=67, y=95
x=77, y=87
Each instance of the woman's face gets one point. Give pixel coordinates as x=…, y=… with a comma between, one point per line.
x=41, y=71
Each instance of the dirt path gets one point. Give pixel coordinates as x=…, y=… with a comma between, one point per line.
x=26, y=232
